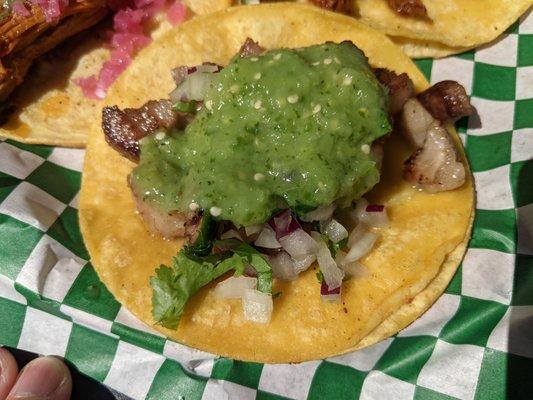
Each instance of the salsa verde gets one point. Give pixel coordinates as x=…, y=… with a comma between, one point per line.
x=287, y=128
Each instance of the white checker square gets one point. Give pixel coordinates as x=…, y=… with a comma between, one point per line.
x=195, y=361
x=51, y=269
x=488, y=274
x=68, y=158
x=378, y=385
x=495, y=117
x=453, y=68
x=526, y=23
x=364, y=359
x=223, y=390
x=125, y=317
x=7, y=290
x=524, y=83
x=17, y=162
x=452, y=369
x=74, y=203
x=522, y=144
x=514, y=332
x=501, y=52
x=524, y=218
x=289, y=380
x=88, y=320
x=493, y=189
x=133, y=370
x=434, y=319
x=29, y=204
x=44, y=333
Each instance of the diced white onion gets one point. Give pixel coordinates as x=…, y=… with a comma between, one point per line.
x=234, y=287
x=195, y=84
x=357, y=233
x=353, y=269
x=232, y=233
x=331, y=298
x=257, y=306
x=321, y=213
x=361, y=247
x=283, y=266
x=333, y=275
x=253, y=229
x=301, y=264
x=298, y=244
x=267, y=238
x=376, y=219
x=334, y=230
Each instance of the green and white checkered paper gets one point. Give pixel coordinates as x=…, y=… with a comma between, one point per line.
x=476, y=342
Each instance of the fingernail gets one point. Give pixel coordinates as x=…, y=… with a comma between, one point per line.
x=43, y=377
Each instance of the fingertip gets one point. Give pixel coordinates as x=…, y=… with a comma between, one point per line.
x=8, y=372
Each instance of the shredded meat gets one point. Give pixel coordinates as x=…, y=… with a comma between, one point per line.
x=23, y=39
x=435, y=165
x=409, y=8
x=124, y=128
x=169, y=225
x=334, y=5
x=446, y=100
x=400, y=88
x=250, y=48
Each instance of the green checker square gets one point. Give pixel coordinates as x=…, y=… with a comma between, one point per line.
x=406, y=356
x=43, y=151
x=519, y=382
x=39, y=302
x=66, y=230
x=490, y=151
x=243, y=373
x=11, y=320
x=494, y=82
x=523, y=281
x=422, y=393
x=494, y=229
x=7, y=184
x=92, y=352
x=139, y=338
x=467, y=55
x=89, y=294
x=425, y=65
x=18, y=241
x=492, y=379
x=473, y=322
x=60, y=182
x=523, y=114
x=457, y=282
x=171, y=383
x=525, y=50
x=336, y=382
x=260, y=395
x=521, y=178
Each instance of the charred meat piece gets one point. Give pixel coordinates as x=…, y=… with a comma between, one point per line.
x=334, y=5
x=250, y=48
x=179, y=74
x=23, y=39
x=169, y=225
x=124, y=128
x=446, y=100
x=409, y=8
x=400, y=88
x=435, y=166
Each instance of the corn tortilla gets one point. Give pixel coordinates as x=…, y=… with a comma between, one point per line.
x=408, y=269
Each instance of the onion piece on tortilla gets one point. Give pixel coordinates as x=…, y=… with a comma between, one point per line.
x=257, y=306
x=234, y=287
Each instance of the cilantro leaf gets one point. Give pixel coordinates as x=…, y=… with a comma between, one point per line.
x=203, y=244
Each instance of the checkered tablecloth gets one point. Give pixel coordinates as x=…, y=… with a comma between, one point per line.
x=476, y=342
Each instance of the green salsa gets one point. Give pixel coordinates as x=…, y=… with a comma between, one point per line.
x=287, y=128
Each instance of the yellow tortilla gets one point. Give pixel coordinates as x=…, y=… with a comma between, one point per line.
x=51, y=109
x=426, y=48
x=408, y=269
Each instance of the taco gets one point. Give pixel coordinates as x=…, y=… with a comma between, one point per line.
x=51, y=52
x=266, y=209
x=428, y=28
